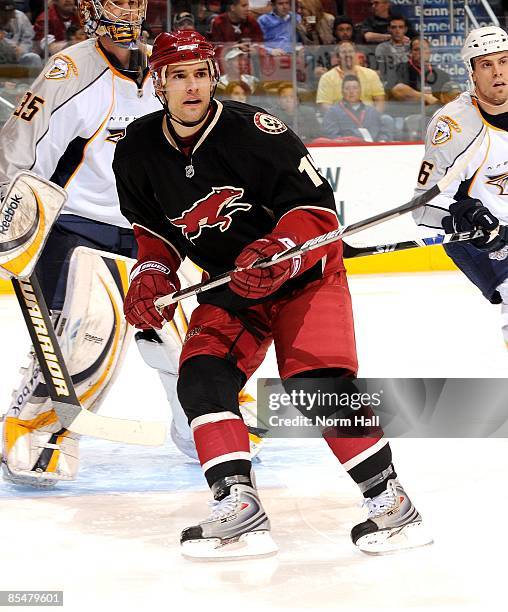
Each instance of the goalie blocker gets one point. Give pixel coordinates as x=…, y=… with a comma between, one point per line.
x=28, y=210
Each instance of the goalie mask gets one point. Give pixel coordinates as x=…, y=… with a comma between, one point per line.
x=121, y=20
x=184, y=47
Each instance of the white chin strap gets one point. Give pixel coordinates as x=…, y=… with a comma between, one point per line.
x=492, y=109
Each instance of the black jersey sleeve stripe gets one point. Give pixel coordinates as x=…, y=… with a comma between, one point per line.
x=436, y=207
x=430, y=226
x=69, y=161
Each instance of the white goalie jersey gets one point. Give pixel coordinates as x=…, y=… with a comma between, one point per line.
x=452, y=131
x=66, y=127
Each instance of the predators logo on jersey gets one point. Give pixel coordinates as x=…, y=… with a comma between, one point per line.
x=62, y=67
x=500, y=181
x=443, y=131
x=115, y=135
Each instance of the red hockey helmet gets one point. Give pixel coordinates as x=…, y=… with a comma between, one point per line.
x=182, y=47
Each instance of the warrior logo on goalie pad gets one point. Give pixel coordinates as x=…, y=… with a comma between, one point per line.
x=93, y=336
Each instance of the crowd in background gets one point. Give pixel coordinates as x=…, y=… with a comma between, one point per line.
x=323, y=72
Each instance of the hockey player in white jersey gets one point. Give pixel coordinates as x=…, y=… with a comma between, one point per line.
x=65, y=129
x=479, y=198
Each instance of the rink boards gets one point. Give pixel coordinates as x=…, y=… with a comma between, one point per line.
x=368, y=179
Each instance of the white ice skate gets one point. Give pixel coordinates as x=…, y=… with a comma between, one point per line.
x=393, y=523
x=237, y=528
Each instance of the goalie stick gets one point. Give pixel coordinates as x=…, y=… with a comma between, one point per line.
x=59, y=383
x=27, y=212
x=332, y=236
x=350, y=251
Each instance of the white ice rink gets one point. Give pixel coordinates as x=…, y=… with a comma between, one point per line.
x=110, y=539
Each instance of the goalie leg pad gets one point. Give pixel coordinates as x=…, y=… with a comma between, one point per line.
x=94, y=336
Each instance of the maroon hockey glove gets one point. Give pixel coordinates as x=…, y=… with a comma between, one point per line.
x=259, y=282
x=149, y=280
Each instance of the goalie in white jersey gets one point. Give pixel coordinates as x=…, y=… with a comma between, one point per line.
x=65, y=129
x=479, y=198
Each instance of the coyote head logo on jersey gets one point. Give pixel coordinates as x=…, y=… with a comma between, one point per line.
x=214, y=209
x=500, y=181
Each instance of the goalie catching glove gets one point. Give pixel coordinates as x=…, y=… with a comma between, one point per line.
x=152, y=277
x=469, y=215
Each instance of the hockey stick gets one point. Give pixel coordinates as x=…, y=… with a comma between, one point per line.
x=333, y=236
x=350, y=251
x=59, y=383
x=27, y=212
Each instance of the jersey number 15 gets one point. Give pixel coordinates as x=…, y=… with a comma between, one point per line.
x=29, y=106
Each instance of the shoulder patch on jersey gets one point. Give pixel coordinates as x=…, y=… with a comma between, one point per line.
x=443, y=132
x=62, y=67
x=269, y=124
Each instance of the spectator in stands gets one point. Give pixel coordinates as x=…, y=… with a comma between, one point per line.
x=298, y=117
x=391, y=53
x=329, y=90
x=374, y=29
x=405, y=83
x=352, y=118
x=316, y=25
x=237, y=67
x=206, y=13
x=343, y=30
x=184, y=21
x=276, y=28
x=61, y=15
x=16, y=37
x=236, y=25
x=237, y=91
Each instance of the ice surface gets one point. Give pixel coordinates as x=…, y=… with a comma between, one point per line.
x=110, y=539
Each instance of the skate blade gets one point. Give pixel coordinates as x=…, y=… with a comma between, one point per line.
x=248, y=545
x=387, y=541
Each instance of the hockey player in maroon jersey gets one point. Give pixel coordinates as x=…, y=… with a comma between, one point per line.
x=226, y=184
